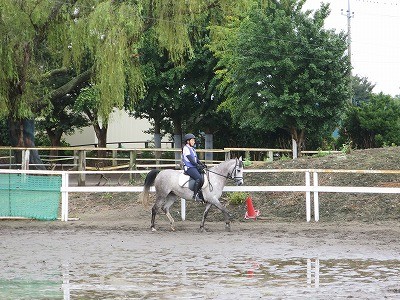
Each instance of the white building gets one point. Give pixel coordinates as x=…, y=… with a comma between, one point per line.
x=121, y=129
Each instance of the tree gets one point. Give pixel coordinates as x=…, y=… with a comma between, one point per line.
x=88, y=104
x=362, y=89
x=281, y=69
x=374, y=123
x=98, y=40
x=27, y=28
x=60, y=117
x=178, y=94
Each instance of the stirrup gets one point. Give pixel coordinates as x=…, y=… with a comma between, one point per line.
x=197, y=198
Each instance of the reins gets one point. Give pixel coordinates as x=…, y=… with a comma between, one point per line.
x=229, y=176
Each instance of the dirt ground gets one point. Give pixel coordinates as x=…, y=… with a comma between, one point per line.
x=118, y=257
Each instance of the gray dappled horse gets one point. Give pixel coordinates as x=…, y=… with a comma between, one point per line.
x=168, y=188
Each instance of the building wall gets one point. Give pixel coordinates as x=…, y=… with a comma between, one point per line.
x=121, y=128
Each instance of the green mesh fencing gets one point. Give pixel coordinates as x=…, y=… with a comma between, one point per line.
x=30, y=196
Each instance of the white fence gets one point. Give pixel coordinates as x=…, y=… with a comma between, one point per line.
x=309, y=189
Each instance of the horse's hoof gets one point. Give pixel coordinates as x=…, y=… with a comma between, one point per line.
x=172, y=229
x=227, y=227
x=153, y=229
x=202, y=230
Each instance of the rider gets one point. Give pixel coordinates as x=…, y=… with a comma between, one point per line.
x=193, y=166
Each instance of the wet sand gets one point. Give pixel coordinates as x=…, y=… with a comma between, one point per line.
x=107, y=259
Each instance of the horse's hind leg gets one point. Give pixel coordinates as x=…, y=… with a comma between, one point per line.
x=205, y=213
x=154, y=210
x=167, y=205
x=153, y=217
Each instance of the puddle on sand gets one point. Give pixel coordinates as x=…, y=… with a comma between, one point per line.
x=196, y=277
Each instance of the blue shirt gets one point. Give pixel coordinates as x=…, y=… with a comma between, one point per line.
x=187, y=150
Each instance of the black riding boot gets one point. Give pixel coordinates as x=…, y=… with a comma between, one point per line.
x=197, y=194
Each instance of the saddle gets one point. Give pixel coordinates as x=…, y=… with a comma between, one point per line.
x=188, y=182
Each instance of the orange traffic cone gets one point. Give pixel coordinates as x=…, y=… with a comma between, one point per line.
x=251, y=213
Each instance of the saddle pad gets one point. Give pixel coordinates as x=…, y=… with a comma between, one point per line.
x=183, y=180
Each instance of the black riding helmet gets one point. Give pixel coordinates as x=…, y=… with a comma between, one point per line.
x=188, y=136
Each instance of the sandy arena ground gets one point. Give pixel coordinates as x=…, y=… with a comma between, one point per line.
x=115, y=256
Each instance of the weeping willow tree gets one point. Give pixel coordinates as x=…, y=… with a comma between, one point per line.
x=25, y=27
x=96, y=41
x=109, y=36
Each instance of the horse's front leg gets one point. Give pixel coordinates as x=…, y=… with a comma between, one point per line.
x=167, y=205
x=205, y=213
x=226, y=215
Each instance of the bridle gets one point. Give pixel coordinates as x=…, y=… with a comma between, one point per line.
x=232, y=174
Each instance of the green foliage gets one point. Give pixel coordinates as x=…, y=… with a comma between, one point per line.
x=111, y=35
x=362, y=90
x=100, y=39
x=4, y=133
x=147, y=154
x=88, y=102
x=280, y=68
x=346, y=148
x=285, y=157
x=374, y=123
x=247, y=162
x=42, y=140
x=237, y=198
x=322, y=153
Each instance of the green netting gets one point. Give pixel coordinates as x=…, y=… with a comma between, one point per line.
x=30, y=196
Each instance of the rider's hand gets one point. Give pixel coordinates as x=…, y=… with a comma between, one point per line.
x=200, y=167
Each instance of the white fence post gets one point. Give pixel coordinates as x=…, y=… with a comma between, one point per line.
x=183, y=209
x=316, y=200
x=294, y=148
x=308, y=197
x=25, y=159
x=64, y=196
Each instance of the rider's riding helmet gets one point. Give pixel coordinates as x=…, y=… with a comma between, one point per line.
x=188, y=136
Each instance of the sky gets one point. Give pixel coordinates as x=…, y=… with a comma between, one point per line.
x=375, y=38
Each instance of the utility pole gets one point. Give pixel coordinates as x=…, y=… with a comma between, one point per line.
x=349, y=15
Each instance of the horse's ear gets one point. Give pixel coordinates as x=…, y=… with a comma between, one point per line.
x=240, y=158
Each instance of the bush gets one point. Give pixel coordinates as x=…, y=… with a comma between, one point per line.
x=237, y=198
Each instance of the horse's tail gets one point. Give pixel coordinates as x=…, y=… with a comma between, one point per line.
x=148, y=182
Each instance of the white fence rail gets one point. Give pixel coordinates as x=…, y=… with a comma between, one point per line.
x=310, y=190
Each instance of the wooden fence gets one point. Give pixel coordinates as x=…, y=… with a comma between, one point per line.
x=88, y=158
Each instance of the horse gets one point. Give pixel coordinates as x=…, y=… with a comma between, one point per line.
x=168, y=189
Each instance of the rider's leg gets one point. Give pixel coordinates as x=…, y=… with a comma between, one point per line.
x=195, y=174
x=197, y=194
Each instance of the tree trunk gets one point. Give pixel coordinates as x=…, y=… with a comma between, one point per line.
x=101, y=134
x=208, y=144
x=22, y=134
x=55, y=140
x=157, y=140
x=299, y=137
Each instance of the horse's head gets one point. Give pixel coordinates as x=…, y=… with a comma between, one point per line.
x=237, y=172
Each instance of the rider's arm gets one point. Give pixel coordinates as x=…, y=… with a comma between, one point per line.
x=192, y=159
